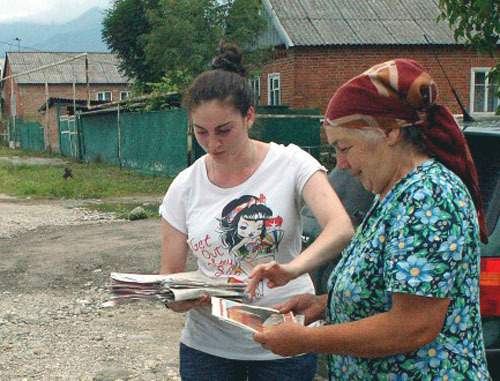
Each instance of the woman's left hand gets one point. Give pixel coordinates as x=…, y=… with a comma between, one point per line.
x=285, y=339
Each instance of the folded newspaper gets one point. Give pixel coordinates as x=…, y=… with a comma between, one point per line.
x=253, y=318
x=173, y=287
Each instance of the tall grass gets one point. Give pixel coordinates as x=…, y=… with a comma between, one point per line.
x=89, y=180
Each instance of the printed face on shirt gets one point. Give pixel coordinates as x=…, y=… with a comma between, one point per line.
x=221, y=130
x=250, y=232
x=250, y=229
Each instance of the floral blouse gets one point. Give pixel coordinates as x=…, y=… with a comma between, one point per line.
x=421, y=239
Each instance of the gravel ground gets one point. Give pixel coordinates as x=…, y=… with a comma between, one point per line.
x=55, y=260
x=18, y=217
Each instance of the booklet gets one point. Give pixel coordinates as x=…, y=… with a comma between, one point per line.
x=173, y=287
x=253, y=318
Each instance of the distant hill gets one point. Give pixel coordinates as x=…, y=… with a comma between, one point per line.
x=77, y=35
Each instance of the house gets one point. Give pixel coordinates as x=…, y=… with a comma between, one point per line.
x=320, y=44
x=40, y=77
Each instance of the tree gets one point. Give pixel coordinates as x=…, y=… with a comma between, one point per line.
x=125, y=26
x=178, y=38
x=244, y=24
x=184, y=35
x=478, y=22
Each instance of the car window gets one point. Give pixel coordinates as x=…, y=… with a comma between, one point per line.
x=485, y=152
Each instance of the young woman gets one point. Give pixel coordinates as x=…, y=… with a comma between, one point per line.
x=235, y=207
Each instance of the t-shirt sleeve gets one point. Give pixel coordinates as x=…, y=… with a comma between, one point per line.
x=173, y=207
x=305, y=166
x=424, y=243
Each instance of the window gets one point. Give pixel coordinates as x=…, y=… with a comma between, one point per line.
x=124, y=95
x=483, y=88
x=255, y=85
x=274, y=92
x=105, y=96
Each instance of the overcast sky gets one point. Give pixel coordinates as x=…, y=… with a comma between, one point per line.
x=46, y=11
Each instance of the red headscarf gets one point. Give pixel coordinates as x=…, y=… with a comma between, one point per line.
x=400, y=93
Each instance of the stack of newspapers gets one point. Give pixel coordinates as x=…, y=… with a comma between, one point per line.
x=250, y=317
x=169, y=288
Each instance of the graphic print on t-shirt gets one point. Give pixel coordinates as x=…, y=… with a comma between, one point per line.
x=250, y=232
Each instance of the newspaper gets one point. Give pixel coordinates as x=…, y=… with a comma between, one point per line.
x=174, y=287
x=253, y=318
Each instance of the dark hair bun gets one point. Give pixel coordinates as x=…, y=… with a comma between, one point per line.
x=229, y=58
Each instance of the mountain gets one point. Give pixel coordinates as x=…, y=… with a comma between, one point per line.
x=78, y=35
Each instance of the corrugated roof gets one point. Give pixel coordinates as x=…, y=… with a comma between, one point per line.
x=103, y=68
x=348, y=22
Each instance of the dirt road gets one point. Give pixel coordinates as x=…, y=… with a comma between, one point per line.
x=55, y=260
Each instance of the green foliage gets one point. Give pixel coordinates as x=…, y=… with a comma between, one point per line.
x=166, y=43
x=478, y=22
x=244, y=24
x=125, y=26
x=165, y=94
x=184, y=36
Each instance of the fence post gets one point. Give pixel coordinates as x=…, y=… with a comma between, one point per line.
x=119, y=136
x=79, y=129
x=59, y=127
x=47, y=127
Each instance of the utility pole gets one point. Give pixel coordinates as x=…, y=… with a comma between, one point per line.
x=87, y=80
x=18, y=40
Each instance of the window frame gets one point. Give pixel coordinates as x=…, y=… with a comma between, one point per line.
x=255, y=86
x=104, y=95
x=270, y=80
x=124, y=92
x=472, y=95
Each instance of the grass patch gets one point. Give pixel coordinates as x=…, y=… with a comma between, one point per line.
x=6, y=151
x=122, y=210
x=89, y=180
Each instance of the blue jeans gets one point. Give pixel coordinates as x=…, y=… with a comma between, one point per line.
x=200, y=366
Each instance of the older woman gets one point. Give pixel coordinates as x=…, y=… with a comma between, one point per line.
x=403, y=301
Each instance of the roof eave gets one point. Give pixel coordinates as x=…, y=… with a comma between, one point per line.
x=277, y=23
x=381, y=44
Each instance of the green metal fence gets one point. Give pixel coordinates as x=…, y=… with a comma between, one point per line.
x=69, y=142
x=157, y=142
x=148, y=142
x=28, y=136
x=282, y=125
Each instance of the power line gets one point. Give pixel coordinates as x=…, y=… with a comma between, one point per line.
x=19, y=46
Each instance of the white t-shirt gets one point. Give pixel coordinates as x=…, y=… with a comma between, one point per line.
x=230, y=230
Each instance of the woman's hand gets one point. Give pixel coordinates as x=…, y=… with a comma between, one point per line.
x=186, y=305
x=277, y=275
x=311, y=306
x=286, y=339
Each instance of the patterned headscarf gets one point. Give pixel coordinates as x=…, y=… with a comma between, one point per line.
x=399, y=93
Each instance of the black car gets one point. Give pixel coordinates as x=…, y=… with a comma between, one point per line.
x=484, y=141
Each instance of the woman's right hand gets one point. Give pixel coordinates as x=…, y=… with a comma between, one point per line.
x=186, y=305
x=313, y=307
x=277, y=275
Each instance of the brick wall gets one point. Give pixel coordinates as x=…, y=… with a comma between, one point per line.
x=31, y=97
x=9, y=86
x=310, y=75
